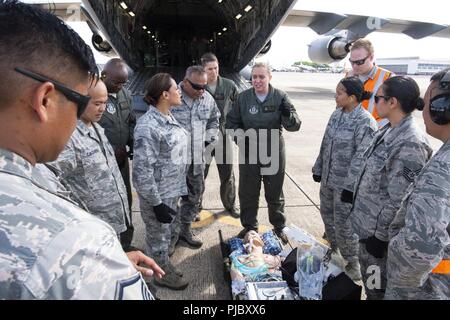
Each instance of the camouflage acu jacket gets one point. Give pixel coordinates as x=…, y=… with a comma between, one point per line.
x=160, y=157
x=346, y=133
x=51, y=249
x=87, y=164
x=394, y=158
x=420, y=235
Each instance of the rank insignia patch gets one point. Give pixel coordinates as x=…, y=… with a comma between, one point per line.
x=409, y=174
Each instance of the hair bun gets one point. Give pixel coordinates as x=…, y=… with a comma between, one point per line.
x=146, y=100
x=366, y=95
x=420, y=104
x=150, y=100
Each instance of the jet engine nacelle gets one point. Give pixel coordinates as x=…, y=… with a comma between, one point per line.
x=328, y=49
x=100, y=44
x=266, y=47
x=246, y=73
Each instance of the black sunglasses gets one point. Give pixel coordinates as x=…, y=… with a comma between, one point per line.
x=377, y=98
x=358, y=62
x=196, y=86
x=81, y=100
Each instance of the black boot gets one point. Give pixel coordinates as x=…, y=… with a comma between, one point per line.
x=244, y=231
x=234, y=212
x=281, y=235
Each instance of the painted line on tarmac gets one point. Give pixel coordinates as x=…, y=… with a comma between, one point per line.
x=300, y=188
x=265, y=207
x=207, y=218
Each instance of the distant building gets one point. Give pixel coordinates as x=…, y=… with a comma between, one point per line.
x=413, y=65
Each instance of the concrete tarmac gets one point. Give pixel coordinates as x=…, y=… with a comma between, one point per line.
x=313, y=97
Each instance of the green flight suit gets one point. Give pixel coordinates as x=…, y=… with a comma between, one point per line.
x=119, y=121
x=248, y=113
x=226, y=92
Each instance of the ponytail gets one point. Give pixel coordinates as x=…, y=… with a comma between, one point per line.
x=366, y=95
x=420, y=104
x=406, y=91
x=354, y=87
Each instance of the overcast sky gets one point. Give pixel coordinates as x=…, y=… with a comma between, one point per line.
x=289, y=44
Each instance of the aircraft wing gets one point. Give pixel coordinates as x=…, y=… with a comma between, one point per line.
x=325, y=22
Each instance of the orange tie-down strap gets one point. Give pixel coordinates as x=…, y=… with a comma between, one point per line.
x=443, y=267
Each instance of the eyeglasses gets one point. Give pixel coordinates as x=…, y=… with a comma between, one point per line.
x=81, y=100
x=358, y=62
x=377, y=98
x=195, y=86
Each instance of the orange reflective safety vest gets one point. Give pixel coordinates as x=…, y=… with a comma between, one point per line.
x=443, y=267
x=376, y=78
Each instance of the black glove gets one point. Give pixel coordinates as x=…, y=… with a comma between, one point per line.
x=130, y=155
x=376, y=247
x=164, y=213
x=317, y=178
x=286, y=108
x=347, y=196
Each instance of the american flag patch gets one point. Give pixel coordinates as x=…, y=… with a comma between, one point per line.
x=409, y=174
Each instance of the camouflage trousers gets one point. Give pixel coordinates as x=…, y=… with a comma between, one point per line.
x=159, y=236
x=411, y=294
x=436, y=287
x=338, y=228
x=373, y=271
x=190, y=204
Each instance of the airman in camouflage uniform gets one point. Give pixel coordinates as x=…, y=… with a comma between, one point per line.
x=395, y=156
x=49, y=248
x=418, y=262
x=199, y=116
x=91, y=263
x=419, y=235
x=88, y=165
x=159, y=171
x=345, y=134
x=74, y=255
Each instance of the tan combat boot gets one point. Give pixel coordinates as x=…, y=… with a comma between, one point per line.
x=171, y=280
x=171, y=267
x=189, y=237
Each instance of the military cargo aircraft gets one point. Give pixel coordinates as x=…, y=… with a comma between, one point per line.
x=154, y=32
x=169, y=35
